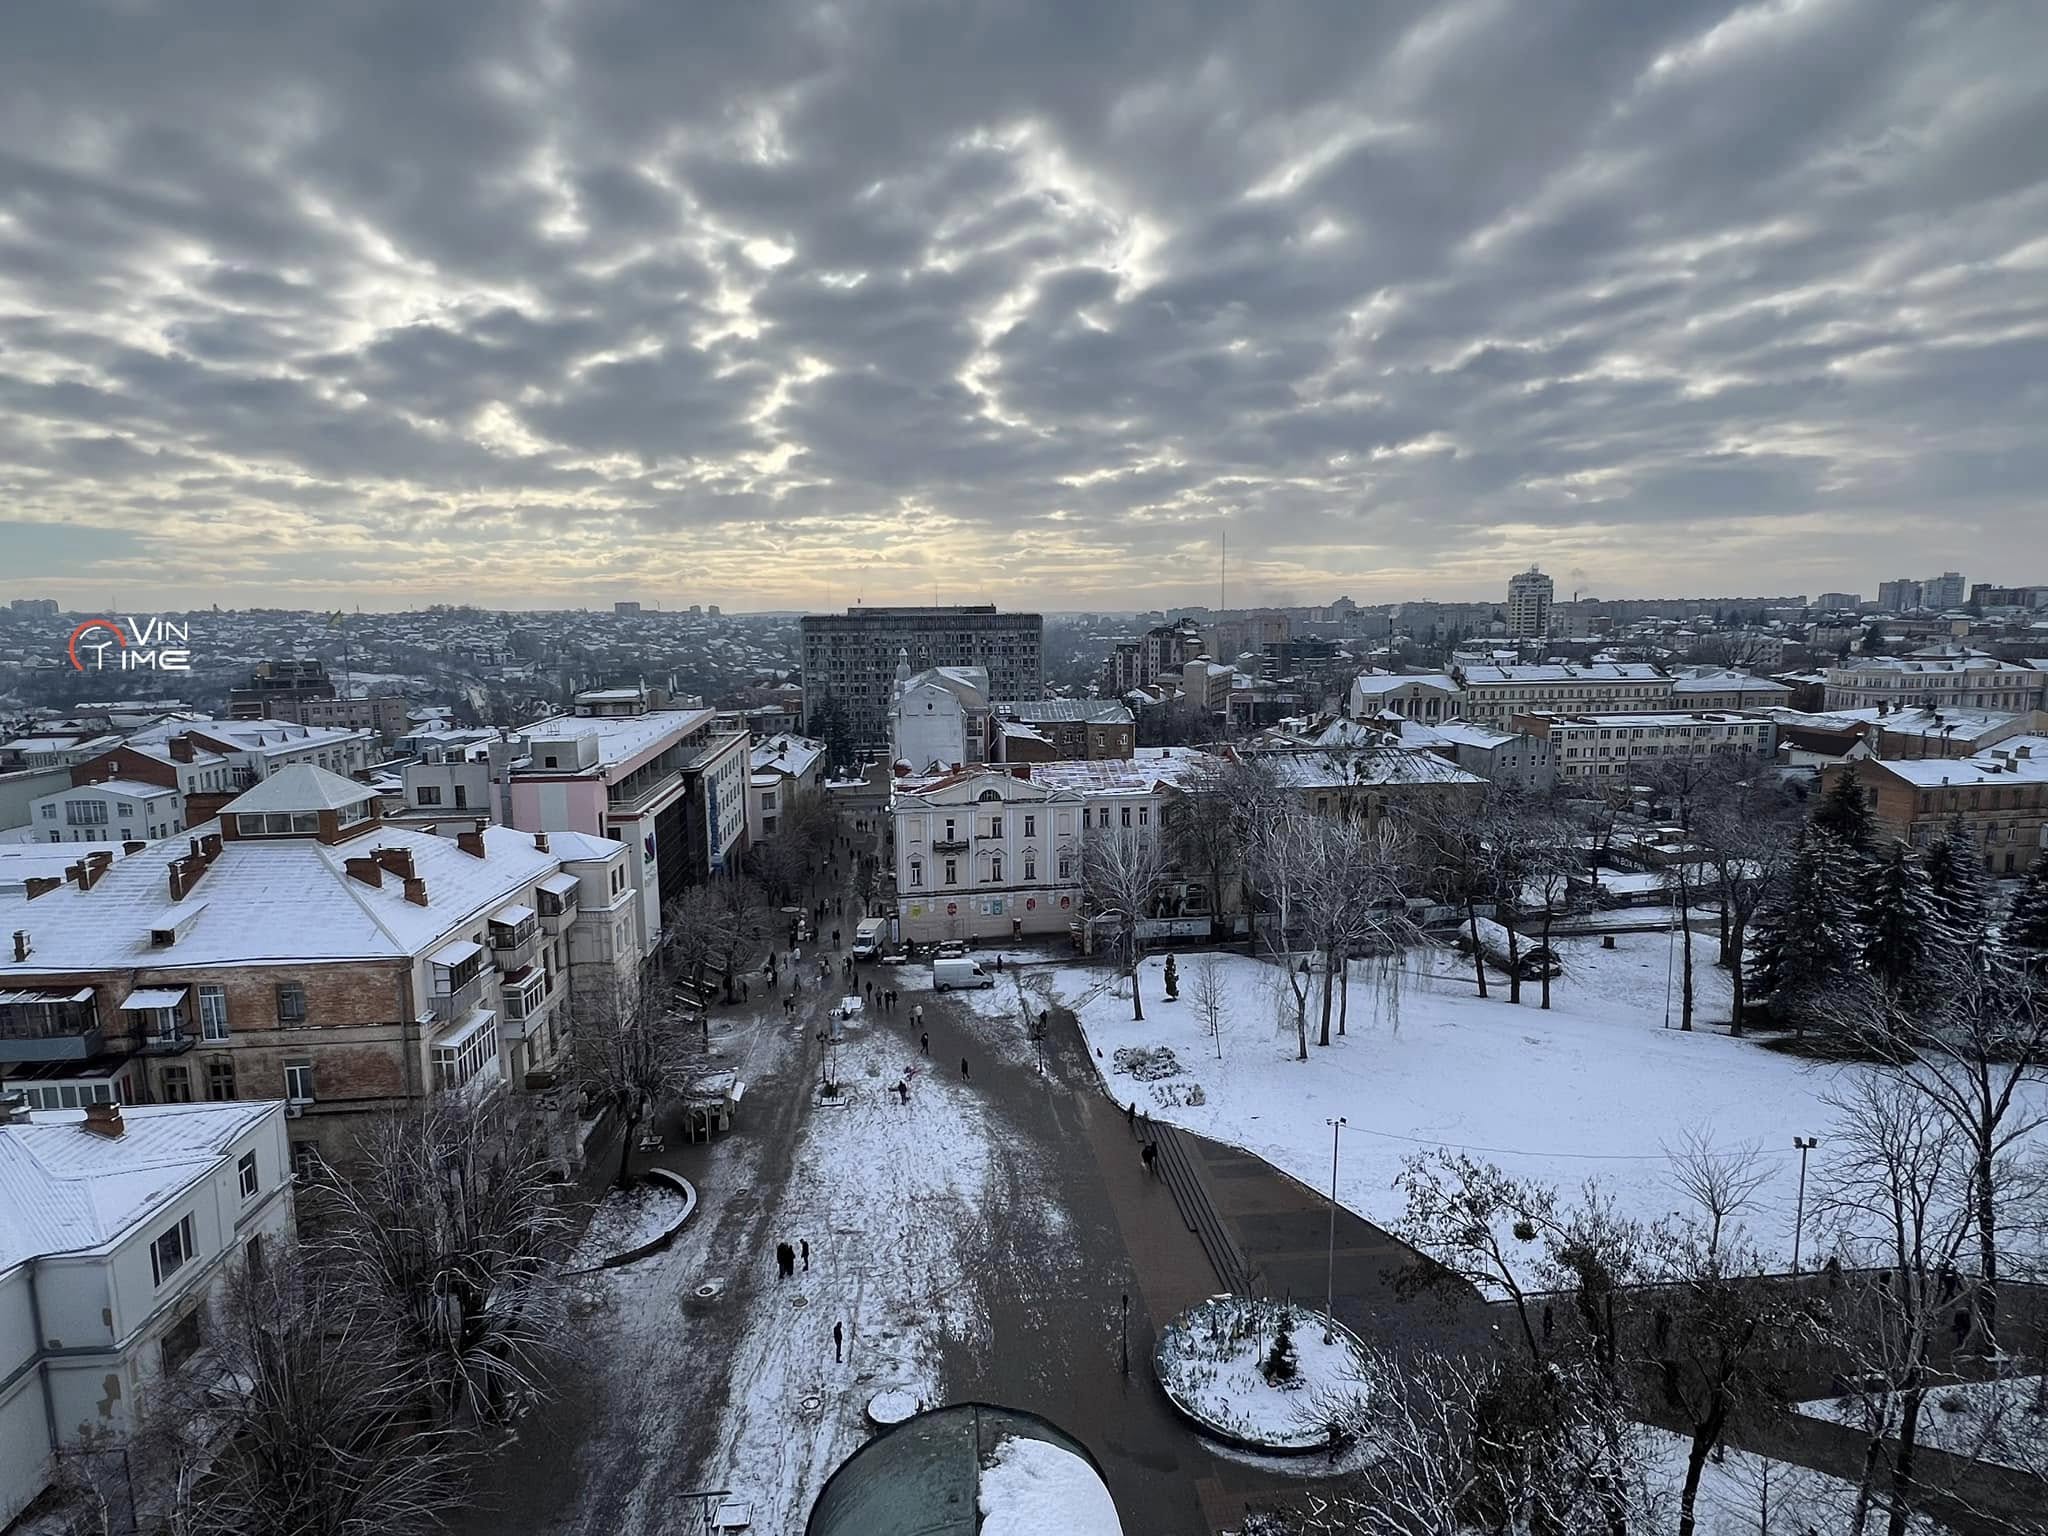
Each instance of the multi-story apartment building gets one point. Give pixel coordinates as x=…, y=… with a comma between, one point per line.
x=1530, y=594
x=2020, y=599
x=665, y=782
x=1725, y=688
x=1499, y=757
x=276, y=681
x=1997, y=798
x=1937, y=682
x=1055, y=730
x=1838, y=602
x=122, y=1224
x=1495, y=694
x=780, y=768
x=1900, y=596
x=849, y=660
x=1593, y=746
x=1229, y=636
x=111, y=811
x=300, y=948
x=1943, y=592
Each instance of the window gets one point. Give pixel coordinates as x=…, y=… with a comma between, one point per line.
x=1125, y=818
x=995, y=868
x=430, y=794
x=291, y=1003
x=1030, y=867
x=213, y=1012
x=181, y=1340
x=298, y=1081
x=1031, y=826
x=245, y=1174
x=949, y=832
x=995, y=826
x=306, y=1160
x=952, y=871
x=1066, y=867
x=177, y=1084
x=220, y=1079
x=1144, y=815
x=172, y=1251
x=917, y=872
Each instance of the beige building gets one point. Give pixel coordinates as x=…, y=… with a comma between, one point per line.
x=1943, y=683
x=1494, y=694
x=1592, y=746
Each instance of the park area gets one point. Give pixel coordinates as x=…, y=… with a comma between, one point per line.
x=1598, y=1088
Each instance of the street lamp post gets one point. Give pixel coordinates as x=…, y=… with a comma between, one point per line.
x=1804, y=1145
x=1330, y=1273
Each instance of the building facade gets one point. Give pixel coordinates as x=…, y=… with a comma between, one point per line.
x=1495, y=694
x=1081, y=729
x=1596, y=746
x=299, y=949
x=1530, y=594
x=849, y=660
x=123, y=1224
x=1997, y=799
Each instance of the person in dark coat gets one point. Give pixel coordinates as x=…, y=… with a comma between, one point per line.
x=785, y=1259
x=805, y=1242
x=1151, y=1156
x=838, y=1343
x=903, y=1089
x=924, y=1045
x=963, y=1069
x=1131, y=1115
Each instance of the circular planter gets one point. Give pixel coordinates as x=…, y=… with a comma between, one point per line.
x=1209, y=1365
x=891, y=1406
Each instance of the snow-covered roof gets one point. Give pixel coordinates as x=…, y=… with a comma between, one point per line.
x=2016, y=760
x=258, y=736
x=575, y=847
x=620, y=738
x=787, y=752
x=1363, y=767
x=1567, y=672
x=132, y=788
x=1151, y=766
x=1064, y=711
x=1727, y=681
x=267, y=900
x=301, y=787
x=64, y=1188
x=1375, y=684
x=1454, y=733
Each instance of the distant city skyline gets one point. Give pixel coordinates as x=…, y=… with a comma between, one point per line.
x=544, y=306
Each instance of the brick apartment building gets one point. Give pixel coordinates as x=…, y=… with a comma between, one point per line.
x=1050, y=730
x=1998, y=798
x=297, y=949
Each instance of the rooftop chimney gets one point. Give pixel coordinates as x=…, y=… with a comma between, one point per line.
x=130, y=845
x=540, y=842
x=397, y=860
x=39, y=885
x=366, y=870
x=180, y=748
x=104, y=1120
x=415, y=891
x=471, y=843
x=21, y=944
x=179, y=884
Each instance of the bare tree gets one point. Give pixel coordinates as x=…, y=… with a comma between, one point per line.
x=448, y=1225
x=1511, y=836
x=1684, y=781
x=1206, y=837
x=311, y=1422
x=692, y=934
x=1449, y=844
x=1356, y=904
x=1281, y=852
x=631, y=1052
x=1897, y=1194
x=1747, y=821
x=741, y=926
x=1120, y=870
x=1549, y=882
x=1972, y=1042
x=1207, y=993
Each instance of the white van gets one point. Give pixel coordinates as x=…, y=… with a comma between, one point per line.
x=869, y=937
x=958, y=971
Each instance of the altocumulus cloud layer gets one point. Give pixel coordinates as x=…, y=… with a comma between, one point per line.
x=778, y=303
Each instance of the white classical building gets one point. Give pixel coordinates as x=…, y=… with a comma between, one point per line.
x=938, y=719
x=117, y=1224
x=1599, y=746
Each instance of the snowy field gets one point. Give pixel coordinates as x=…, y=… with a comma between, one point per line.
x=1030, y=1488
x=1596, y=1088
x=1743, y=1494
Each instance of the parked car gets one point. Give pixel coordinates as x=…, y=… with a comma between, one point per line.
x=950, y=949
x=959, y=971
x=1540, y=962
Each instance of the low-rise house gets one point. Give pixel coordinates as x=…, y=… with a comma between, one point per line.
x=782, y=767
x=117, y=1226
x=1078, y=730
x=111, y=811
x=1413, y=696
x=1515, y=758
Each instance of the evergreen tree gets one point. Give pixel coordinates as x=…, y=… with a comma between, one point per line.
x=1808, y=938
x=1899, y=919
x=1280, y=1364
x=1844, y=811
x=2025, y=930
x=1962, y=906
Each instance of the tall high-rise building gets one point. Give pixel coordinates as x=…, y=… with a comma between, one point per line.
x=1901, y=596
x=1943, y=592
x=1529, y=597
x=849, y=660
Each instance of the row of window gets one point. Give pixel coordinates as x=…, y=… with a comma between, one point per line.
x=176, y=1084
x=992, y=870
x=177, y=1245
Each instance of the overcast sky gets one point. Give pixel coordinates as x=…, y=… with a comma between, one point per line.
x=772, y=305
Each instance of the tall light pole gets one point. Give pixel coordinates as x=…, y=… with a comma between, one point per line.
x=1804, y=1145
x=1330, y=1273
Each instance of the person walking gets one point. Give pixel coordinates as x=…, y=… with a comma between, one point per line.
x=924, y=1044
x=1151, y=1157
x=783, y=1260
x=917, y=1015
x=805, y=1243
x=838, y=1344
x=963, y=1069
x=1131, y=1116
x=903, y=1089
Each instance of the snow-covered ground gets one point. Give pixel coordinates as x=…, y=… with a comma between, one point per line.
x=2003, y=1421
x=1212, y=1364
x=1030, y=1488
x=1595, y=1088
x=1747, y=1495
x=891, y=1198
x=625, y=1220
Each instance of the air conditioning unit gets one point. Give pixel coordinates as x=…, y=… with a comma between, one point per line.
x=293, y=1110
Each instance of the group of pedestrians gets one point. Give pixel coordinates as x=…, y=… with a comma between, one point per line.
x=786, y=1259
